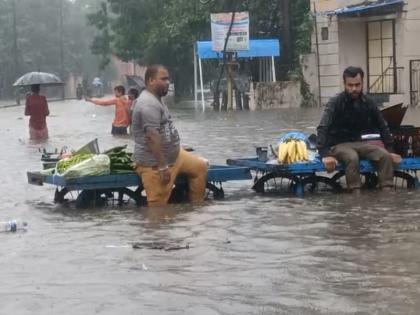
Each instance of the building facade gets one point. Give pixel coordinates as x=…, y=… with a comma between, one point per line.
x=380, y=36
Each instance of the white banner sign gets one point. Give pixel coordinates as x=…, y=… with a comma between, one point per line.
x=239, y=36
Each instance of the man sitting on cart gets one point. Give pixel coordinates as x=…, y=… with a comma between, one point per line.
x=345, y=118
x=157, y=152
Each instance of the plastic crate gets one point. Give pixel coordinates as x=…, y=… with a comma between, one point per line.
x=406, y=141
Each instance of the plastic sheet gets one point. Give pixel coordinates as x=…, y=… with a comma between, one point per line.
x=95, y=166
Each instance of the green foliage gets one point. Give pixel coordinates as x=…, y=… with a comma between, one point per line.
x=101, y=45
x=302, y=25
x=163, y=31
x=301, y=28
x=38, y=39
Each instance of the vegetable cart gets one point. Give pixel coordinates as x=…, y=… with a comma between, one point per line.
x=121, y=188
x=311, y=176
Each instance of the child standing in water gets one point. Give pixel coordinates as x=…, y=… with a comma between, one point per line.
x=121, y=120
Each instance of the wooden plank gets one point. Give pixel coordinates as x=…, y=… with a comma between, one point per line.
x=217, y=173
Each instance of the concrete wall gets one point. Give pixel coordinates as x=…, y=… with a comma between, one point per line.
x=310, y=75
x=408, y=46
x=122, y=68
x=352, y=45
x=347, y=45
x=329, y=66
x=274, y=95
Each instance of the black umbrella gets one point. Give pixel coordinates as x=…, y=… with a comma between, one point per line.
x=136, y=81
x=42, y=78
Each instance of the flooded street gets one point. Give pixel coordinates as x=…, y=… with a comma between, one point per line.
x=249, y=254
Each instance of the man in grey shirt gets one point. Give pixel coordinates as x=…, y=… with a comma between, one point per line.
x=157, y=152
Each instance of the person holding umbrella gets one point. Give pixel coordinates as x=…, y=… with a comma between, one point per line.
x=36, y=107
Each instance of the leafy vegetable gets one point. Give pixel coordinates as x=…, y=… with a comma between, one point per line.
x=121, y=161
x=96, y=166
x=66, y=163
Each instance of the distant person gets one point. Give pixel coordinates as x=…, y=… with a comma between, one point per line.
x=97, y=82
x=18, y=92
x=157, y=152
x=79, y=91
x=120, y=101
x=132, y=94
x=97, y=85
x=86, y=87
x=345, y=118
x=36, y=108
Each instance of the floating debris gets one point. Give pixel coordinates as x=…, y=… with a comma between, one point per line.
x=159, y=246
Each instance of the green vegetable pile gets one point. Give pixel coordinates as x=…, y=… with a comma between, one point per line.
x=65, y=164
x=120, y=160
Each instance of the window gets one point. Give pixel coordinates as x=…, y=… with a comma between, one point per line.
x=381, y=57
x=324, y=33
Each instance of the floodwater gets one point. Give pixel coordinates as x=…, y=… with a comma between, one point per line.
x=248, y=254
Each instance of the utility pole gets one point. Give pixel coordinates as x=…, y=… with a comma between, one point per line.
x=16, y=70
x=228, y=6
x=61, y=47
x=286, y=31
x=229, y=56
x=15, y=45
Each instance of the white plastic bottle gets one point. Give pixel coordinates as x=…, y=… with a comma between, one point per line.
x=13, y=226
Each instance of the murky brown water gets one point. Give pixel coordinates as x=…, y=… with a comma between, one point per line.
x=249, y=254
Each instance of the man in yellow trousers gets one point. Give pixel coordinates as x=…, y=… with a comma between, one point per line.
x=157, y=152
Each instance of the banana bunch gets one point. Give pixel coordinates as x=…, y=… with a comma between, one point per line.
x=292, y=150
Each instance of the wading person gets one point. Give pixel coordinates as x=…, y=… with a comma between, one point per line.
x=133, y=95
x=121, y=120
x=37, y=108
x=345, y=118
x=157, y=152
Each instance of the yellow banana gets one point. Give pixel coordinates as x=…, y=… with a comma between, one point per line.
x=305, y=151
x=288, y=152
x=291, y=152
x=301, y=146
x=282, y=152
x=299, y=152
x=287, y=157
x=285, y=149
x=293, y=155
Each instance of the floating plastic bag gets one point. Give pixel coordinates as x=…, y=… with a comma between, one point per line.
x=97, y=165
x=296, y=135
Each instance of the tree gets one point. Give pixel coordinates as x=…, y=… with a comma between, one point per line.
x=101, y=45
x=38, y=39
x=163, y=31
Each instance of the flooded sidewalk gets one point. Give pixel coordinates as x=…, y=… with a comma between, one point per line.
x=8, y=103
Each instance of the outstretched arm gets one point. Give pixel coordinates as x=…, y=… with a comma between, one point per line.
x=102, y=102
